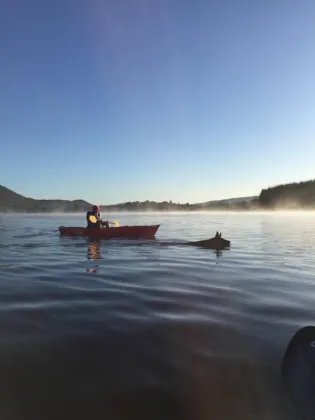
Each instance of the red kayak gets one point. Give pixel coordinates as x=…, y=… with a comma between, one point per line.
x=147, y=232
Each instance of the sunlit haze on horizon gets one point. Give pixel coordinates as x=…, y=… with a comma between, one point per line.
x=118, y=100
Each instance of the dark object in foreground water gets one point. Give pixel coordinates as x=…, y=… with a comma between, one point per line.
x=298, y=371
x=216, y=243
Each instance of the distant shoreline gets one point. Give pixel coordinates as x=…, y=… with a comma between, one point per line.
x=289, y=197
x=104, y=212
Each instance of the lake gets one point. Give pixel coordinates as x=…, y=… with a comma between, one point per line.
x=132, y=329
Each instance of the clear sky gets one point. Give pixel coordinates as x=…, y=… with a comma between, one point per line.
x=124, y=100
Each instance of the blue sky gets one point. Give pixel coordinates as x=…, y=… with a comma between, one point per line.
x=123, y=100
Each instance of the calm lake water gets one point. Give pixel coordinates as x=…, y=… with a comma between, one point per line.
x=132, y=329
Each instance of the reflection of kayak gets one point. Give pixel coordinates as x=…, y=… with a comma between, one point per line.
x=147, y=232
x=144, y=232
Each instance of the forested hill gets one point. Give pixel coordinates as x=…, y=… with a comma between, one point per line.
x=10, y=201
x=290, y=196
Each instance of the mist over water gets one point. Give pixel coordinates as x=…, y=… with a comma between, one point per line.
x=129, y=329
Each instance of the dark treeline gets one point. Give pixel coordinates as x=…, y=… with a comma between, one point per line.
x=148, y=206
x=295, y=195
x=170, y=206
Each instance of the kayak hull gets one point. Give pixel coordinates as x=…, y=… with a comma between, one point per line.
x=147, y=232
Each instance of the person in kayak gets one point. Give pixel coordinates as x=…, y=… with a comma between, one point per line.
x=93, y=218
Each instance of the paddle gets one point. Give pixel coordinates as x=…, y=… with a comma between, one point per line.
x=298, y=371
x=115, y=222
